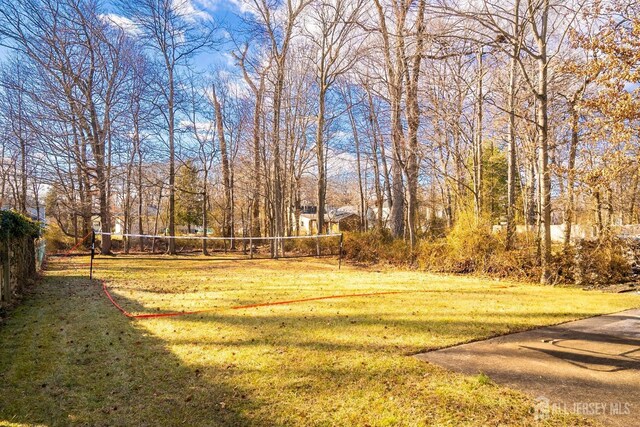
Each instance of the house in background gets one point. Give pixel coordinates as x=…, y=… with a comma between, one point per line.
x=308, y=219
x=37, y=214
x=337, y=220
x=372, y=215
x=117, y=223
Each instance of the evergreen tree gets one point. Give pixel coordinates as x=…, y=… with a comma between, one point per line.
x=188, y=202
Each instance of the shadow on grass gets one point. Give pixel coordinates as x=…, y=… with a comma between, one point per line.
x=365, y=333
x=68, y=357
x=292, y=325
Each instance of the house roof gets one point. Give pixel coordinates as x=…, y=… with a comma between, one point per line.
x=339, y=216
x=334, y=215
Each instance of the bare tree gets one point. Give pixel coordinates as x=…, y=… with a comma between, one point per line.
x=259, y=94
x=393, y=41
x=330, y=30
x=227, y=222
x=201, y=127
x=84, y=61
x=13, y=100
x=279, y=31
x=172, y=30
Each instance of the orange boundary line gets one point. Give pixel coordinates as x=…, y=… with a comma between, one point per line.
x=244, y=307
x=76, y=246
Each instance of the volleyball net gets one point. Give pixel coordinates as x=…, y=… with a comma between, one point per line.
x=249, y=247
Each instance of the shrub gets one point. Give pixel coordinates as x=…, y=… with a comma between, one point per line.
x=601, y=262
x=472, y=248
x=436, y=228
x=328, y=246
x=13, y=224
x=376, y=246
x=468, y=248
x=520, y=263
x=434, y=256
x=56, y=239
x=300, y=246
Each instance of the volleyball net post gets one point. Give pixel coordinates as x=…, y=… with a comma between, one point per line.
x=93, y=253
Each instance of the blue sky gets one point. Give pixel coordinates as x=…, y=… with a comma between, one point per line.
x=226, y=13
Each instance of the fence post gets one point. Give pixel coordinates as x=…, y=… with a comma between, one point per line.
x=6, y=270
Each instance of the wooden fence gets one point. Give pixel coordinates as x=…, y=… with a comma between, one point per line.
x=18, y=266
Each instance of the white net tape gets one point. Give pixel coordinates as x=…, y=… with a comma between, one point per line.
x=255, y=247
x=246, y=239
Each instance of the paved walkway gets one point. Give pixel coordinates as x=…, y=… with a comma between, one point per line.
x=589, y=366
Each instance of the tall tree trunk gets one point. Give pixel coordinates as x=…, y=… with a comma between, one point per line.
x=127, y=209
x=84, y=196
x=609, y=223
x=571, y=177
x=156, y=220
x=172, y=164
x=356, y=140
x=105, y=214
x=258, y=91
x=140, y=198
x=226, y=177
x=511, y=106
x=376, y=180
x=396, y=219
x=255, y=206
x=23, y=159
x=598, y=212
x=205, y=211
x=632, y=217
x=278, y=196
x=98, y=137
x=477, y=164
x=542, y=125
x=413, y=125
x=322, y=180
x=232, y=204
x=378, y=143
x=531, y=207
x=395, y=73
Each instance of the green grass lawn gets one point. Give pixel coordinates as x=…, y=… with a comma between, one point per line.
x=67, y=356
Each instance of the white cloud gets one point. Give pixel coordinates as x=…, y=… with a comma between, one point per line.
x=191, y=10
x=121, y=22
x=243, y=6
x=204, y=128
x=341, y=164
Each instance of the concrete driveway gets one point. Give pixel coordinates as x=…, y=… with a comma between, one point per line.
x=590, y=367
